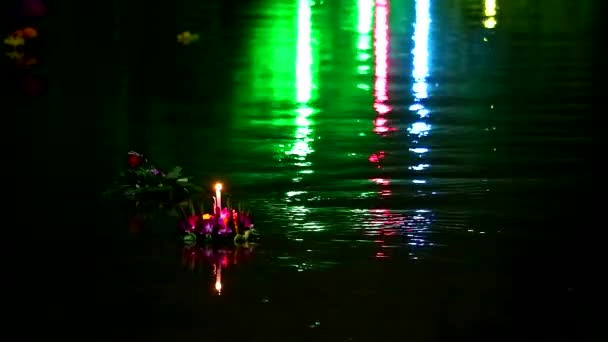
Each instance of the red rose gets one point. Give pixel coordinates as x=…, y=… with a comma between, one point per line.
x=192, y=220
x=135, y=159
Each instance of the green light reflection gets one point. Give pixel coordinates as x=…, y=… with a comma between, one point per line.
x=365, y=22
x=304, y=59
x=305, y=91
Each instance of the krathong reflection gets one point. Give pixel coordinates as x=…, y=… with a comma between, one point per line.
x=216, y=260
x=19, y=53
x=22, y=49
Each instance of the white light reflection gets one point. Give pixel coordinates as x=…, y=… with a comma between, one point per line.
x=419, y=128
x=419, y=167
x=420, y=72
x=418, y=224
x=419, y=150
x=421, y=49
x=304, y=53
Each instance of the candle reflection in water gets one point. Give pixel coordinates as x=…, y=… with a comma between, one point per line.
x=216, y=260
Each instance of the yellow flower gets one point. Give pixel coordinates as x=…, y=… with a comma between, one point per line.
x=14, y=41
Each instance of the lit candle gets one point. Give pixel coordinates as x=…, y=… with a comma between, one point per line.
x=218, y=196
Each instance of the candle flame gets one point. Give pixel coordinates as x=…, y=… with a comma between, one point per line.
x=218, y=186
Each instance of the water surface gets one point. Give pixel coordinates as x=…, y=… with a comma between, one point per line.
x=410, y=164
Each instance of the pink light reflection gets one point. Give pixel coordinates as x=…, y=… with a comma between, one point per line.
x=376, y=157
x=381, y=44
x=382, y=217
x=381, y=181
x=381, y=49
x=389, y=224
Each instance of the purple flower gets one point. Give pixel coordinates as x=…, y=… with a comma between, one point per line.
x=207, y=226
x=245, y=218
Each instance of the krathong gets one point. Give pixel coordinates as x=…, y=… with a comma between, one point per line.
x=148, y=187
x=222, y=223
x=143, y=182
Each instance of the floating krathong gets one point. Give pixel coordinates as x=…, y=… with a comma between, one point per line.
x=222, y=224
x=144, y=183
x=150, y=188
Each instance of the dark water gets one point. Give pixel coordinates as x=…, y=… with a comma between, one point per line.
x=413, y=165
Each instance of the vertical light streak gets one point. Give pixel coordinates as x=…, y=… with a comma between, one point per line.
x=381, y=65
x=365, y=22
x=304, y=90
x=489, y=11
